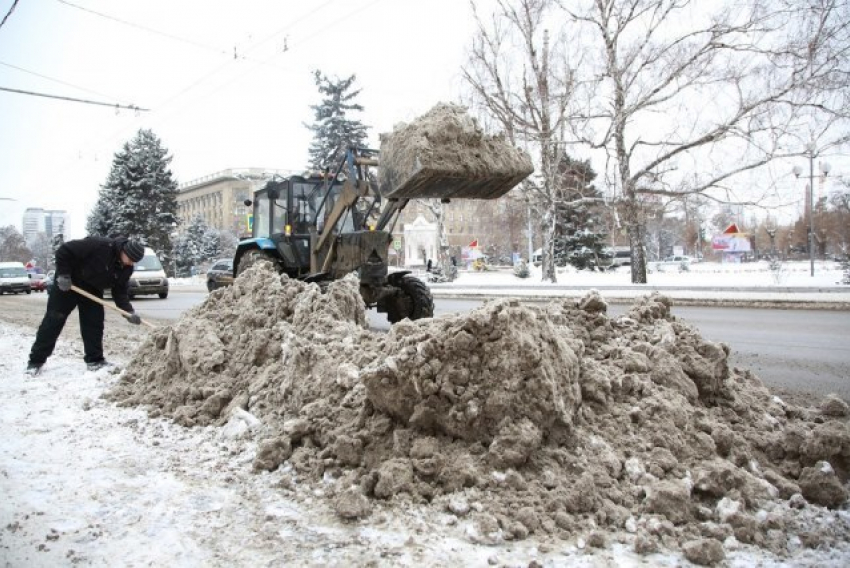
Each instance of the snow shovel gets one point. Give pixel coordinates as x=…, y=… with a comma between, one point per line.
x=94, y=298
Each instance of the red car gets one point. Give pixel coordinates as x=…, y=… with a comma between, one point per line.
x=38, y=282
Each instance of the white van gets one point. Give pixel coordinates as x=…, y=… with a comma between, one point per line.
x=149, y=277
x=14, y=278
x=537, y=257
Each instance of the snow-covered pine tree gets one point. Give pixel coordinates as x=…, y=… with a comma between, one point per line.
x=211, y=244
x=580, y=236
x=227, y=243
x=192, y=247
x=333, y=130
x=139, y=198
x=201, y=243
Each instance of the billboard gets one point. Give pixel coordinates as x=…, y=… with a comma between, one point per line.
x=731, y=242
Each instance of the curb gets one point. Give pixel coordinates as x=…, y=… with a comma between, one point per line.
x=756, y=303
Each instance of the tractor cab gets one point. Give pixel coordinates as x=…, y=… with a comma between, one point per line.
x=287, y=213
x=290, y=206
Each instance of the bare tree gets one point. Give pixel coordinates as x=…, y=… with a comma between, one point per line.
x=437, y=212
x=43, y=251
x=689, y=97
x=521, y=75
x=13, y=247
x=508, y=226
x=840, y=221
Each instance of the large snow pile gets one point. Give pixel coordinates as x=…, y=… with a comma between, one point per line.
x=445, y=154
x=553, y=420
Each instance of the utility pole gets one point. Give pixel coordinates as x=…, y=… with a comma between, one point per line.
x=810, y=197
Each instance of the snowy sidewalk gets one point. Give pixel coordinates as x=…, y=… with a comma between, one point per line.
x=704, y=283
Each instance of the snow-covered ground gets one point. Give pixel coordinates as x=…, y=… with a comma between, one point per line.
x=791, y=274
x=705, y=281
x=699, y=275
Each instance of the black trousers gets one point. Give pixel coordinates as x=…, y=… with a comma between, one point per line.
x=59, y=306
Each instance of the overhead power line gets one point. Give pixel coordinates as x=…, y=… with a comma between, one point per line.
x=52, y=79
x=9, y=13
x=141, y=27
x=113, y=105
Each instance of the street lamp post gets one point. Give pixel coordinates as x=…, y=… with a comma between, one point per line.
x=824, y=168
x=771, y=232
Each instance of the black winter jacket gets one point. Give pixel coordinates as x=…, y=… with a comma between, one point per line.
x=94, y=264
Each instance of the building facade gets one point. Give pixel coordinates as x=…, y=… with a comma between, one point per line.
x=219, y=198
x=36, y=220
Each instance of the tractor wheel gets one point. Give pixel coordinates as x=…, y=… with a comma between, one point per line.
x=251, y=258
x=414, y=302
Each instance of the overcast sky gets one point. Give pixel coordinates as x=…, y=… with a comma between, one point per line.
x=229, y=84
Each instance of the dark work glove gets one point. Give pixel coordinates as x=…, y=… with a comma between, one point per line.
x=134, y=319
x=63, y=282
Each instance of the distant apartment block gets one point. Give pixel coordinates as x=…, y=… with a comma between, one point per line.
x=36, y=220
x=219, y=198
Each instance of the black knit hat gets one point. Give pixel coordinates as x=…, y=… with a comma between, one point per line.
x=134, y=250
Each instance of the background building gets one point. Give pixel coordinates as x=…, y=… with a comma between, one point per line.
x=36, y=220
x=500, y=227
x=219, y=198
x=421, y=242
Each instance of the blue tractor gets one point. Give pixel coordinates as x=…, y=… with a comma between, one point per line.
x=324, y=226
x=320, y=227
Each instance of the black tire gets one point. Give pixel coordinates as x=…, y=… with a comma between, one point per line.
x=414, y=301
x=163, y=295
x=252, y=257
x=29, y=291
x=210, y=285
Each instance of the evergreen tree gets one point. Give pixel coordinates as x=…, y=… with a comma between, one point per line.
x=580, y=236
x=198, y=244
x=227, y=243
x=333, y=130
x=139, y=198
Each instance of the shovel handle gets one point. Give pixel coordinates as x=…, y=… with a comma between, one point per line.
x=94, y=298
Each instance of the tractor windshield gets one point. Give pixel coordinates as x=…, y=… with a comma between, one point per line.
x=261, y=214
x=305, y=201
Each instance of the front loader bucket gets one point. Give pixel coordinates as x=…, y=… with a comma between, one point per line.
x=444, y=154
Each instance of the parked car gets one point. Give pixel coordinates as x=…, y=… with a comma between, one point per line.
x=38, y=282
x=679, y=258
x=675, y=262
x=148, y=277
x=220, y=274
x=14, y=278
